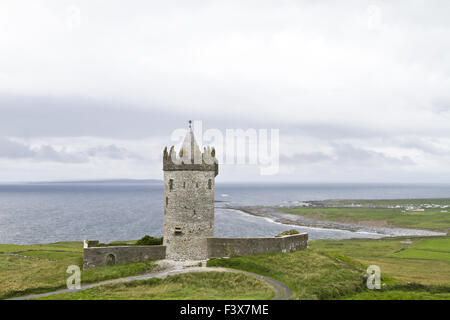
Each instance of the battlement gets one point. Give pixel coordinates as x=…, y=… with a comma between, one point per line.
x=190, y=158
x=205, y=161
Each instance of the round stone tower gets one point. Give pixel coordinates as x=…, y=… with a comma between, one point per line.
x=188, y=199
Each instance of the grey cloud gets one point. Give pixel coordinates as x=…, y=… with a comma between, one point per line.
x=53, y=116
x=331, y=131
x=311, y=69
x=14, y=150
x=112, y=152
x=421, y=144
x=48, y=153
x=305, y=158
x=45, y=116
x=50, y=116
x=10, y=149
x=348, y=154
x=345, y=154
x=441, y=105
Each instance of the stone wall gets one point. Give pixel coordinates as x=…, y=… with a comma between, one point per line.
x=101, y=256
x=226, y=247
x=216, y=248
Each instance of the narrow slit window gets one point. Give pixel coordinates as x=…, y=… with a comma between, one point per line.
x=196, y=184
x=184, y=184
x=171, y=184
x=167, y=201
x=209, y=184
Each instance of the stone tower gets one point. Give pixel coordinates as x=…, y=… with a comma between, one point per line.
x=188, y=199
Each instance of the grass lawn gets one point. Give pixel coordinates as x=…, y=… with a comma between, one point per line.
x=335, y=269
x=420, y=260
x=193, y=286
x=391, y=202
x=399, y=295
x=309, y=274
x=26, y=269
x=431, y=219
x=411, y=268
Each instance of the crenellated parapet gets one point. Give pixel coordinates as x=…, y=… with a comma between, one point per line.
x=190, y=159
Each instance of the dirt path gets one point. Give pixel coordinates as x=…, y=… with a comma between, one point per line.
x=168, y=268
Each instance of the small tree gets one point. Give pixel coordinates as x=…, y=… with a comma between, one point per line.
x=149, y=241
x=288, y=233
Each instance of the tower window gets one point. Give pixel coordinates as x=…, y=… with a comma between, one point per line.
x=196, y=184
x=167, y=201
x=171, y=184
x=178, y=230
x=209, y=184
x=184, y=184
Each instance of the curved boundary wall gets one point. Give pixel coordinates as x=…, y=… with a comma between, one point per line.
x=98, y=256
x=217, y=248
x=226, y=247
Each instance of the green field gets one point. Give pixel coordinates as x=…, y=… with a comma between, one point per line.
x=430, y=219
x=335, y=269
x=189, y=286
x=26, y=269
x=399, y=295
x=415, y=260
x=411, y=267
x=309, y=274
x=389, y=202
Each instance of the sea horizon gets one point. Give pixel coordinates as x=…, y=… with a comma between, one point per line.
x=73, y=211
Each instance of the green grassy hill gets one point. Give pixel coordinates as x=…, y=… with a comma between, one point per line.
x=27, y=269
x=430, y=219
x=411, y=267
x=189, y=286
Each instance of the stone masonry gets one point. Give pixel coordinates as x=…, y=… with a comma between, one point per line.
x=188, y=200
x=102, y=256
x=227, y=247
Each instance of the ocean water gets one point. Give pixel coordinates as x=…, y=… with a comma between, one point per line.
x=43, y=213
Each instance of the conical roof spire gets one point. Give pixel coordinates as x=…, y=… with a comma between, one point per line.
x=190, y=151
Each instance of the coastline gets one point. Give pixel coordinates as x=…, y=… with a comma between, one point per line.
x=276, y=216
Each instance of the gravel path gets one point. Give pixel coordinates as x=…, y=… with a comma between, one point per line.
x=167, y=268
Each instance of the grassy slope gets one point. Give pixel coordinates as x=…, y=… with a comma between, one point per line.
x=414, y=268
x=431, y=219
x=391, y=202
x=44, y=268
x=334, y=269
x=193, y=286
x=417, y=270
x=309, y=274
x=423, y=261
x=399, y=295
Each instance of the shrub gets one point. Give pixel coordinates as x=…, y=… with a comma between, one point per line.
x=288, y=233
x=149, y=241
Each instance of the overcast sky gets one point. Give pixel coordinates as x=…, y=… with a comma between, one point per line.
x=360, y=90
